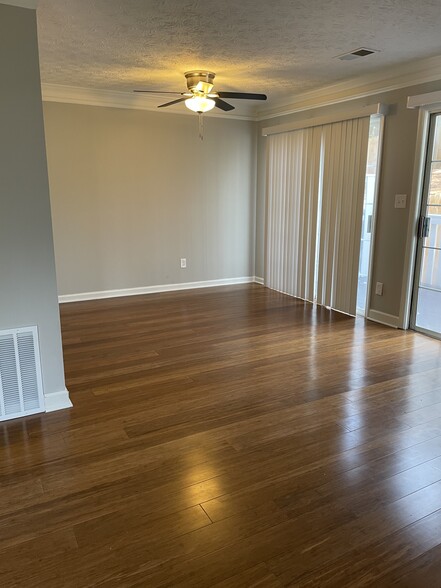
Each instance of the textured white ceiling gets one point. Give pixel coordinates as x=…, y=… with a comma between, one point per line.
x=279, y=47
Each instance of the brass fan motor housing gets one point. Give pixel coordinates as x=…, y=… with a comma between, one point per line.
x=200, y=81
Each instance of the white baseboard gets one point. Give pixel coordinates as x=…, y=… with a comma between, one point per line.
x=57, y=401
x=258, y=280
x=155, y=289
x=383, y=318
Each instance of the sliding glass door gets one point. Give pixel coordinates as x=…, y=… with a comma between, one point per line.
x=426, y=305
x=321, y=184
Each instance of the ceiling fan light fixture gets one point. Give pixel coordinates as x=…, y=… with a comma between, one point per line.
x=200, y=104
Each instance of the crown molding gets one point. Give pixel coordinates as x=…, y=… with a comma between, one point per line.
x=406, y=75
x=427, y=101
x=21, y=3
x=386, y=80
x=116, y=99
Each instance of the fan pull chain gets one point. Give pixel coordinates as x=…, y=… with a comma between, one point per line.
x=201, y=126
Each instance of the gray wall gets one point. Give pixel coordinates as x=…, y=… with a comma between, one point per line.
x=396, y=178
x=133, y=191
x=28, y=293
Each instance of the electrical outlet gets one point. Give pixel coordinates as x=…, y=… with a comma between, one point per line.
x=400, y=200
x=183, y=262
x=379, y=289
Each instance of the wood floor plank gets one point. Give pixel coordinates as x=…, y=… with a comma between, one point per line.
x=414, y=573
x=228, y=437
x=123, y=526
x=34, y=551
x=256, y=577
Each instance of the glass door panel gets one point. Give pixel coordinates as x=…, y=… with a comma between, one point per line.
x=427, y=296
x=368, y=211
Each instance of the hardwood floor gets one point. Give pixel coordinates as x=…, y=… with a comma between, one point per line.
x=229, y=437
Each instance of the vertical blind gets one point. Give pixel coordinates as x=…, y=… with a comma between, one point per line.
x=292, y=175
x=315, y=189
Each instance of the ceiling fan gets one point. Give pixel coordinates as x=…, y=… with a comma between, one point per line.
x=200, y=97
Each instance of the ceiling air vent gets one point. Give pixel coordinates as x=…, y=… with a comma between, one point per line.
x=21, y=388
x=361, y=52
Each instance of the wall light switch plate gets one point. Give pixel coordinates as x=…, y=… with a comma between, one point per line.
x=379, y=289
x=400, y=200
x=183, y=262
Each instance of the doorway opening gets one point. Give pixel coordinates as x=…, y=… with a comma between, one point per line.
x=370, y=193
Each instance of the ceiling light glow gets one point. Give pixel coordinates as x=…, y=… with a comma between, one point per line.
x=200, y=104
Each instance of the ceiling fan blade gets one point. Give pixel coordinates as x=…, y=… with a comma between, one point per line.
x=223, y=105
x=242, y=96
x=172, y=102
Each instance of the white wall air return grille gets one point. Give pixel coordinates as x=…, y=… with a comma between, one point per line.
x=21, y=388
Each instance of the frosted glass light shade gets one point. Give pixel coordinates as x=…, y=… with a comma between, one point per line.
x=200, y=104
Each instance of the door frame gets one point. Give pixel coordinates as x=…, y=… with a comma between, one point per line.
x=419, y=240
x=427, y=105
